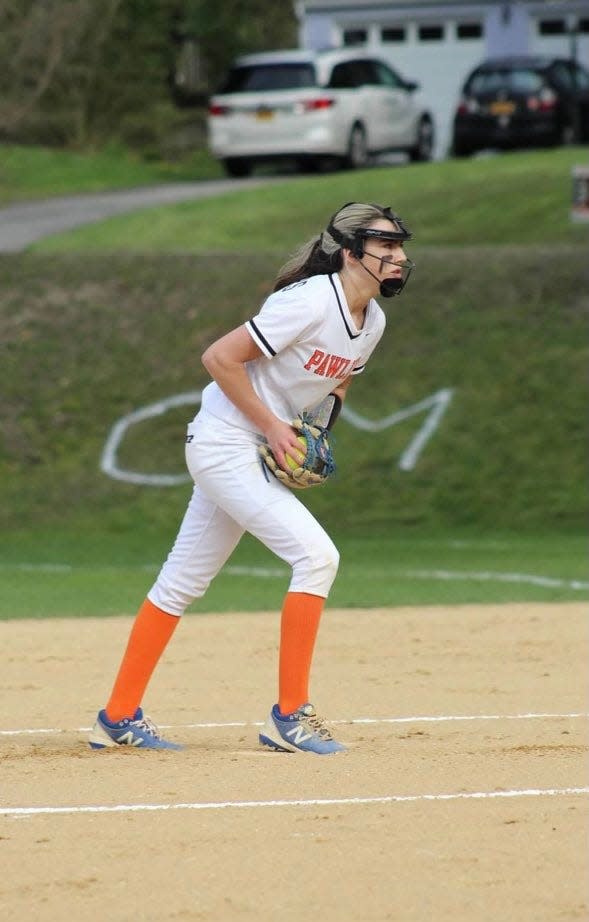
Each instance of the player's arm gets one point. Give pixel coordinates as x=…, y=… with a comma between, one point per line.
x=225, y=361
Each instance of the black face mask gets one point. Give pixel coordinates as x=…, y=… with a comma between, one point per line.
x=355, y=243
x=390, y=287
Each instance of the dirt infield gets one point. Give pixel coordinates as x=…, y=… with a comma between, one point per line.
x=226, y=831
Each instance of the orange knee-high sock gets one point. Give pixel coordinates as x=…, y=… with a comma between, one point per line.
x=301, y=613
x=148, y=639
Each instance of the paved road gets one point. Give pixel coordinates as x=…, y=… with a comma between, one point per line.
x=24, y=223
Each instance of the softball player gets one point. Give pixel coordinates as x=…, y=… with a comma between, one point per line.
x=311, y=336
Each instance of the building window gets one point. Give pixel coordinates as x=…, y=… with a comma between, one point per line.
x=431, y=33
x=583, y=26
x=469, y=30
x=552, y=27
x=355, y=36
x=393, y=34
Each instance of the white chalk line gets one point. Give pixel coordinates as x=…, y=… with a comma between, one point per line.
x=489, y=576
x=314, y=802
x=212, y=725
x=437, y=404
x=545, y=582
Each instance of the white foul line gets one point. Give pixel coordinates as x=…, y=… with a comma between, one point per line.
x=488, y=576
x=210, y=725
x=548, y=582
x=316, y=802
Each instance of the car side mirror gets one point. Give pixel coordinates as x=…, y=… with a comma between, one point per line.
x=411, y=86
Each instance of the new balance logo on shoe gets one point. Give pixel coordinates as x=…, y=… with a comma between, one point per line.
x=127, y=739
x=301, y=731
x=298, y=735
x=137, y=731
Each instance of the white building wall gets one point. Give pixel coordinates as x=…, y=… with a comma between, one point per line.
x=507, y=30
x=440, y=67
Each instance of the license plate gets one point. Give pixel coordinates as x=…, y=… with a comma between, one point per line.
x=502, y=108
x=264, y=115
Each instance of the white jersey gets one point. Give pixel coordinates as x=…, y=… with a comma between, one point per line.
x=310, y=344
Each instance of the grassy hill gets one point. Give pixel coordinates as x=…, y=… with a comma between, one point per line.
x=87, y=341
x=39, y=172
x=515, y=198
x=89, y=335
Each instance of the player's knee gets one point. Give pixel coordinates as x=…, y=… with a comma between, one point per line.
x=316, y=572
x=174, y=596
x=331, y=562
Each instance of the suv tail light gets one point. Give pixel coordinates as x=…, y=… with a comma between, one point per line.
x=467, y=106
x=544, y=101
x=215, y=109
x=322, y=102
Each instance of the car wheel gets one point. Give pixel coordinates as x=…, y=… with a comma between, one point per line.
x=236, y=167
x=424, y=145
x=357, y=156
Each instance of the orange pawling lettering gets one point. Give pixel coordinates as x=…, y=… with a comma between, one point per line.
x=322, y=368
x=315, y=359
x=335, y=364
x=327, y=365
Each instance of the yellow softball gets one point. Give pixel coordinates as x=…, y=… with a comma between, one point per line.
x=293, y=463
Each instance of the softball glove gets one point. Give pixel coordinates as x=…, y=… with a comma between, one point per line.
x=309, y=470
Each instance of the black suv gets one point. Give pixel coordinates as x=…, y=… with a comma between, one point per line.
x=522, y=102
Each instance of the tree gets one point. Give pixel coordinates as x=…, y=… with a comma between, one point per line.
x=221, y=31
x=78, y=72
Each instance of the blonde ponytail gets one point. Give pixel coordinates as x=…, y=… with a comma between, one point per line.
x=321, y=255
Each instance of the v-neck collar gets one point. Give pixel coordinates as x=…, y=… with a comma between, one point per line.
x=342, y=303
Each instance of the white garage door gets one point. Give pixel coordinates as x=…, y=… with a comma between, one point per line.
x=549, y=35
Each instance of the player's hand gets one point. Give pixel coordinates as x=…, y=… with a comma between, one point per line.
x=282, y=439
x=309, y=462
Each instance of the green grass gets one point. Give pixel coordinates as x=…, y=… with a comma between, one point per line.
x=87, y=341
x=38, y=173
x=495, y=310
x=515, y=198
x=82, y=575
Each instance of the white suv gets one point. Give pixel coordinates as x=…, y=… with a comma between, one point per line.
x=333, y=107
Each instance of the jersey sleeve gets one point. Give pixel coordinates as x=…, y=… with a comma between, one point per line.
x=283, y=318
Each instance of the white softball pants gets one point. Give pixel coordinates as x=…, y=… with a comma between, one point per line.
x=232, y=495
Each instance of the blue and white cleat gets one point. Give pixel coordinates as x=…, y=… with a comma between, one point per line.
x=138, y=731
x=301, y=731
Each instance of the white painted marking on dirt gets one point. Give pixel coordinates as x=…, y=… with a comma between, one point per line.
x=20, y=812
x=444, y=718
x=211, y=725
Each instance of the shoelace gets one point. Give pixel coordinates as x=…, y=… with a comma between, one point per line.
x=146, y=724
x=317, y=725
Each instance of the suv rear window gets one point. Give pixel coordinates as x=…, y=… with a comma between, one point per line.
x=571, y=76
x=512, y=81
x=256, y=77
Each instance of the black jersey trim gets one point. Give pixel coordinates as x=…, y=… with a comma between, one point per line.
x=263, y=341
x=341, y=310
